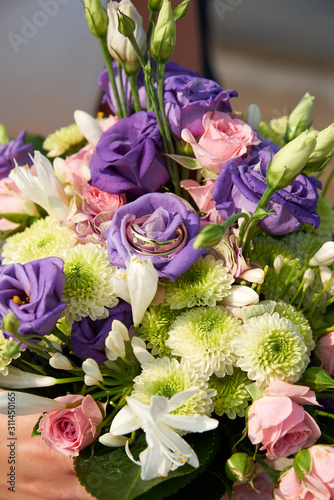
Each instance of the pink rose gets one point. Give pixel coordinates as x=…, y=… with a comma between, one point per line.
x=281, y=425
x=325, y=351
x=224, y=138
x=12, y=202
x=100, y=201
x=72, y=429
x=202, y=196
x=319, y=483
x=262, y=483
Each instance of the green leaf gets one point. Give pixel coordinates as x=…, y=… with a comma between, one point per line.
x=35, y=429
x=37, y=142
x=186, y=161
x=317, y=379
x=110, y=474
x=16, y=218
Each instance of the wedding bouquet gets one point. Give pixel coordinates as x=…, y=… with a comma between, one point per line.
x=166, y=286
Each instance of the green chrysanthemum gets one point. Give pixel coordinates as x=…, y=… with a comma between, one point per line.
x=232, y=397
x=325, y=211
x=205, y=283
x=44, y=238
x=298, y=319
x=4, y=361
x=62, y=140
x=166, y=377
x=264, y=252
x=271, y=348
x=155, y=328
x=203, y=336
x=87, y=290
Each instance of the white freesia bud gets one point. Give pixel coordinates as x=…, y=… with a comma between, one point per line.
x=60, y=362
x=278, y=264
x=290, y=160
x=88, y=126
x=92, y=372
x=114, y=346
x=253, y=116
x=142, y=280
x=46, y=189
x=119, y=46
x=255, y=275
x=109, y=439
x=324, y=256
x=240, y=296
x=140, y=351
x=118, y=326
x=17, y=379
x=325, y=275
x=27, y=404
x=309, y=278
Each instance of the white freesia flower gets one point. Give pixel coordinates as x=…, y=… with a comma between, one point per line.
x=28, y=404
x=113, y=441
x=60, y=362
x=88, y=126
x=278, y=264
x=45, y=189
x=240, y=296
x=166, y=449
x=324, y=256
x=255, y=275
x=119, y=46
x=141, y=352
x=92, y=372
x=309, y=277
x=17, y=379
x=325, y=275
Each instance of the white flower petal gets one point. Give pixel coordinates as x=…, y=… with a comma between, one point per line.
x=17, y=379
x=124, y=422
x=88, y=126
x=28, y=404
x=109, y=439
x=241, y=296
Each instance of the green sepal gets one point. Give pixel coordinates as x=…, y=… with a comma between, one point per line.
x=35, y=429
x=302, y=464
x=186, y=161
x=317, y=379
x=17, y=218
x=255, y=392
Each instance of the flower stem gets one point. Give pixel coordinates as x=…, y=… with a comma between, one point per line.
x=134, y=90
x=69, y=380
x=120, y=76
x=107, y=60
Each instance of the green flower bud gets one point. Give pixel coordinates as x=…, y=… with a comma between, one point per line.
x=239, y=468
x=97, y=18
x=164, y=34
x=4, y=137
x=302, y=464
x=10, y=323
x=126, y=25
x=181, y=10
x=209, y=236
x=155, y=5
x=317, y=379
x=300, y=118
x=290, y=160
x=323, y=152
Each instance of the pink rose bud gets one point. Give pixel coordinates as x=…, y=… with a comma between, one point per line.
x=281, y=425
x=318, y=483
x=325, y=351
x=71, y=429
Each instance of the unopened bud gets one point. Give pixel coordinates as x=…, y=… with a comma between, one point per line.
x=155, y=5
x=323, y=152
x=208, y=237
x=278, y=264
x=10, y=323
x=326, y=275
x=181, y=10
x=60, y=362
x=324, y=256
x=309, y=278
x=253, y=116
x=300, y=118
x=97, y=18
x=240, y=467
x=126, y=25
x=164, y=34
x=4, y=137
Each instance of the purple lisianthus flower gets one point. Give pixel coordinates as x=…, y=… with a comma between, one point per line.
x=127, y=158
x=188, y=98
x=242, y=182
x=88, y=336
x=108, y=98
x=158, y=226
x=33, y=292
x=15, y=149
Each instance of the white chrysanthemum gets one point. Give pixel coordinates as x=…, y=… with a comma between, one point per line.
x=166, y=377
x=87, y=290
x=205, y=283
x=4, y=360
x=203, y=336
x=44, y=238
x=271, y=348
x=63, y=139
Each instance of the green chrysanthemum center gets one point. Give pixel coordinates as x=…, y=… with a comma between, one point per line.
x=232, y=397
x=203, y=336
x=155, y=328
x=167, y=377
x=298, y=319
x=271, y=348
x=203, y=284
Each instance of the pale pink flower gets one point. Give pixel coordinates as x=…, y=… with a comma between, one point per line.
x=12, y=202
x=319, y=482
x=325, y=351
x=224, y=138
x=202, y=196
x=71, y=429
x=281, y=425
